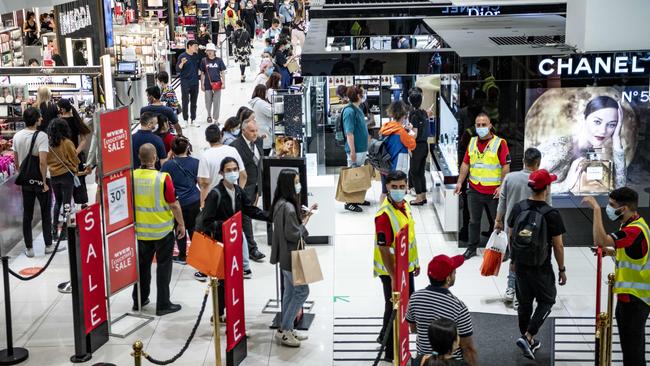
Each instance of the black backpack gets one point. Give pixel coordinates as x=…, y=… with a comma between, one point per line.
x=529, y=242
x=339, y=130
x=378, y=155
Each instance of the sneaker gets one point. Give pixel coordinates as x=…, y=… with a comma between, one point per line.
x=256, y=255
x=65, y=287
x=209, y=120
x=524, y=346
x=510, y=294
x=353, y=207
x=536, y=345
x=278, y=335
x=49, y=249
x=248, y=274
x=178, y=260
x=289, y=340
x=299, y=336
x=200, y=277
x=29, y=252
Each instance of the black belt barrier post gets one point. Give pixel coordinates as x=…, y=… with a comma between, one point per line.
x=12, y=355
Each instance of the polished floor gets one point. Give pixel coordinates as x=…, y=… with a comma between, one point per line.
x=42, y=317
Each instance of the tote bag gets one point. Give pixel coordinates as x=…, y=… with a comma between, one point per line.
x=305, y=267
x=29, y=176
x=206, y=255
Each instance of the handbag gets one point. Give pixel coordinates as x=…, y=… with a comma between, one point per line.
x=305, y=267
x=214, y=85
x=205, y=254
x=293, y=66
x=29, y=176
x=494, y=252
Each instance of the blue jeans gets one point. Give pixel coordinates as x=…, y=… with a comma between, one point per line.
x=361, y=159
x=246, y=262
x=292, y=300
x=512, y=278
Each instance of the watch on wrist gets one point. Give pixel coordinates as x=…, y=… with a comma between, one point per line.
x=562, y=269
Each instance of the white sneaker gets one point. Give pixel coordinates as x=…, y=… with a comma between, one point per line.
x=510, y=294
x=278, y=335
x=49, y=249
x=29, y=252
x=299, y=336
x=289, y=340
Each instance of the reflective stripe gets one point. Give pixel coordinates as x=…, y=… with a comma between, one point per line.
x=151, y=209
x=484, y=166
x=633, y=285
x=155, y=226
x=393, y=220
x=495, y=145
x=484, y=179
x=636, y=267
x=153, y=235
x=156, y=191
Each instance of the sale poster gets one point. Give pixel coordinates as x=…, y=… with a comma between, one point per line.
x=118, y=202
x=91, y=252
x=115, y=137
x=234, y=281
x=122, y=259
x=402, y=284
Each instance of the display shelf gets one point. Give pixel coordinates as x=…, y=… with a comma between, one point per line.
x=11, y=47
x=147, y=43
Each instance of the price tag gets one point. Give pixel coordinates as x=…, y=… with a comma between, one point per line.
x=118, y=207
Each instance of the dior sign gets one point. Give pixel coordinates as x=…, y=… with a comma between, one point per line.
x=75, y=19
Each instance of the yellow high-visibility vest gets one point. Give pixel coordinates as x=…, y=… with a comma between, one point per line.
x=485, y=167
x=633, y=275
x=153, y=216
x=397, y=222
x=491, y=107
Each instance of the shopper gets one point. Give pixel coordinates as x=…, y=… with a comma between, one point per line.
x=79, y=131
x=282, y=58
x=183, y=170
x=210, y=162
x=393, y=214
x=399, y=139
x=188, y=71
x=157, y=107
x=486, y=162
x=249, y=146
x=443, y=337
x=63, y=164
x=223, y=201
x=30, y=29
x=266, y=69
x=156, y=208
x=162, y=131
x=249, y=18
x=286, y=12
x=289, y=230
x=30, y=141
x=167, y=94
x=203, y=39
x=47, y=107
x=46, y=23
x=273, y=84
x=515, y=189
x=264, y=117
x=148, y=123
x=537, y=230
x=231, y=130
x=298, y=32
x=629, y=245
x=242, y=42
x=419, y=119
x=356, y=135
x=230, y=17
x=213, y=80
x=273, y=32
x=436, y=302
x=268, y=13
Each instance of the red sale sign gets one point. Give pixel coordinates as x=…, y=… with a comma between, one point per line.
x=92, y=266
x=122, y=259
x=117, y=194
x=234, y=280
x=402, y=286
x=115, y=137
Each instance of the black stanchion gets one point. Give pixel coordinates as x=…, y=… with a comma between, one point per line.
x=12, y=355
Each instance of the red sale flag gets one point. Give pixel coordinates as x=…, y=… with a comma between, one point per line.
x=234, y=281
x=402, y=286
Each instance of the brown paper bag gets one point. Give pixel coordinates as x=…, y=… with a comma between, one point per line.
x=305, y=267
x=353, y=184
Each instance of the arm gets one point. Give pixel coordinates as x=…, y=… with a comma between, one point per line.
x=83, y=142
x=178, y=128
x=413, y=328
x=600, y=235
x=293, y=230
x=407, y=140
x=501, y=208
x=203, y=81
x=558, y=251
x=249, y=209
x=210, y=223
x=469, y=351
x=204, y=186
x=178, y=216
x=42, y=165
x=243, y=178
x=462, y=175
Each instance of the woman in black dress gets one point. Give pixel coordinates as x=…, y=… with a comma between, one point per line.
x=30, y=30
x=249, y=17
x=242, y=42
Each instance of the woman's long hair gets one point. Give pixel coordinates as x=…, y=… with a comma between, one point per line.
x=231, y=124
x=65, y=105
x=442, y=337
x=260, y=92
x=286, y=188
x=57, y=131
x=274, y=81
x=244, y=113
x=43, y=96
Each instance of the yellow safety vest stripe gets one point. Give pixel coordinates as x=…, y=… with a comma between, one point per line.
x=485, y=168
x=633, y=275
x=153, y=217
x=397, y=221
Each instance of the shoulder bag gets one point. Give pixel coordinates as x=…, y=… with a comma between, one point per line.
x=305, y=267
x=79, y=192
x=29, y=176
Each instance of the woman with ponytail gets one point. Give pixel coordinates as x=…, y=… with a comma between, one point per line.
x=444, y=340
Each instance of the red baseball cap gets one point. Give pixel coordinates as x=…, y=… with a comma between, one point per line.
x=441, y=266
x=540, y=179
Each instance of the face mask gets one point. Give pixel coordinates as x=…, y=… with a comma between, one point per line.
x=611, y=213
x=298, y=188
x=363, y=99
x=269, y=71
x=397, y=195
x=482, y=131
x=232, y=177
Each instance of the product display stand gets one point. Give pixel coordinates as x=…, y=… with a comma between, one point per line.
x=274, y=306
x=11, y=355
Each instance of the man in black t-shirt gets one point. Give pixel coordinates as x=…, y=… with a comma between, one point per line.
x=537, y=283
x=157, y=107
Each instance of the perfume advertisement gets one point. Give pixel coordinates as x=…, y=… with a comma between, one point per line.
x=593, y=138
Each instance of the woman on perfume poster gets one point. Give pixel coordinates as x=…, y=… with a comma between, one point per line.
x=588, y=136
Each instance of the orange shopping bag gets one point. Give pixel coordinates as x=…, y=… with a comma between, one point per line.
x=493, y=254
x=206, y=255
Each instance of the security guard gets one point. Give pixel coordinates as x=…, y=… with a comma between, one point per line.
x=391, y=217
x=486, y=162
x=629, y=245
x=490, y=88
x=156, y=208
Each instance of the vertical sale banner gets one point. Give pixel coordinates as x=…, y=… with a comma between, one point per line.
x=122, y=259
x=115, y=137
x=402, y=286
x=118, y=200
x=91, y=252
x=234, y=280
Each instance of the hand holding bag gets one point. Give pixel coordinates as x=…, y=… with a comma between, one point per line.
x=305, y=267
x=494, y=252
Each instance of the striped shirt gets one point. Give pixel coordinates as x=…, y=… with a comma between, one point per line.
x=434, y=303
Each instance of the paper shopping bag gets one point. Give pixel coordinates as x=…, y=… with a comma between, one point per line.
x=493, y=254
x=206, y=255
x=353, y=184
x=305, y=267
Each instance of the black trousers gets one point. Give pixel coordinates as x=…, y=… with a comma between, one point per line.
x=189, y=94
x=534, y=284
x=189, y=217
x=62, y=186
x=388, y=309
x=45, y=202
x=631, y=318
x=416, y=169
x=163, y=250
x=242, y=69
x=247, y=227
x=477, y=203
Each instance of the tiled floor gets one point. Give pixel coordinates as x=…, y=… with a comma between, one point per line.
x=43, y=319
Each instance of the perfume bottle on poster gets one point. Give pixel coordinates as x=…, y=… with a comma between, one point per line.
x=596, y=174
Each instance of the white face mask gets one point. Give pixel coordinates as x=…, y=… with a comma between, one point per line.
x=232, y=177
x=298, y=187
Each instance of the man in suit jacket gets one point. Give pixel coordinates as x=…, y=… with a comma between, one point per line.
x=250, y=149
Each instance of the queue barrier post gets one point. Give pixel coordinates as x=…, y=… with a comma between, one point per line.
x=137, y=352
x=396, y=355
x=214, y=284
x=611, y=279
x=11, y=355
x=601, y=335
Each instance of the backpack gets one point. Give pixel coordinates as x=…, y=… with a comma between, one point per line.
x=339, y=129
x=529, y=242
x=378, y=155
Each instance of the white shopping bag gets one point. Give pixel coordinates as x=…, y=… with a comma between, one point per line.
x=494, y=252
